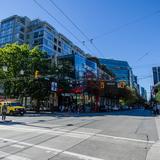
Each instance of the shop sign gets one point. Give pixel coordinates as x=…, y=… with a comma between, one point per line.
x=111, y=83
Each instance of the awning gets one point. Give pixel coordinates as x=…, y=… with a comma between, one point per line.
x=78, y=90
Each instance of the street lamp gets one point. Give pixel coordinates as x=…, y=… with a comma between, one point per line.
x=21, y=72
x=5, y=68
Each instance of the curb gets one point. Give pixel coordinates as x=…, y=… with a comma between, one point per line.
x=154, y=152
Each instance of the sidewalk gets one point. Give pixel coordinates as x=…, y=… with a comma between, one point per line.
x=154, y=152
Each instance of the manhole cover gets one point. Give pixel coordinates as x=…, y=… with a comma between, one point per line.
x=69, y=124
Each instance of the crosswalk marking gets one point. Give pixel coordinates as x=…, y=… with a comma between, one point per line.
x=73, y=134
x=56, y=151
x=17, y=146
x=12, y=157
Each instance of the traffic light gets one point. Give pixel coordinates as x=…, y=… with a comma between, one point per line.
x=36, y=74
x=121, y=84
x=102, y=85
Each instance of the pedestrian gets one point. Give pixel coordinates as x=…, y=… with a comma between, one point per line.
x=158, y=108
x=155, y=109
x=4, y=111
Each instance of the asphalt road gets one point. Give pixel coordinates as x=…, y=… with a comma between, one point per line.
x=126, y=135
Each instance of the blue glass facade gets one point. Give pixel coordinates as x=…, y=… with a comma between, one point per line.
x=42, y=35
x=156, y=74
x=17, y=29
x=121, y=69
x=6, y=32
x=82, y=66
x=12, y=30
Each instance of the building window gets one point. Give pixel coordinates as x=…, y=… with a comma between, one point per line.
x=22, y=29
x=59, y=43
x=59, y=50
x=28, y=36
x=55, y=40
x=55, y=47
x=38, y=42
x=36, y=35
x=21, y=36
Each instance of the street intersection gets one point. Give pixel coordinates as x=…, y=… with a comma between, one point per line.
x=125, y=135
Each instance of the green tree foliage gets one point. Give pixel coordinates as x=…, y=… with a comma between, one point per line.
x=157, y=97
x=21, y=57
x=129, y=96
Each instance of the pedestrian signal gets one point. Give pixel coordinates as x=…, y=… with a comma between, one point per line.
x=121, y=84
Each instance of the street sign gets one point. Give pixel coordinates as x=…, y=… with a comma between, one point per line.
x=54, y=86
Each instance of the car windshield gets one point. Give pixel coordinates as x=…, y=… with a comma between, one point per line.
x=15, y=104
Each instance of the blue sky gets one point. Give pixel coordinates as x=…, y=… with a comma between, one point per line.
x=96, y=17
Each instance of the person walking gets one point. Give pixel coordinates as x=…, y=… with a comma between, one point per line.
x=158, y=108
x=4, y=111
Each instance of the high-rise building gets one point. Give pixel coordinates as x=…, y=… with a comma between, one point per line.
x=143, y=93
x=121, y=69
x=135, y=84
x=43, y=35
x=16, y=29
x=156, y=75
x=13, y=30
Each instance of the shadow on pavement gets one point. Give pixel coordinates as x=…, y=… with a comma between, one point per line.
x=59, y=115
x=133, y=112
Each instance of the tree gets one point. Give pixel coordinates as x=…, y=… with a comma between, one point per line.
x=157, y=97
x=128, y=95
x=21, y=57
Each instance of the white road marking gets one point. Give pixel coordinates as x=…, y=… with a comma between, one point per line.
x=57, y=151
x=126, y=139
x=17, y=146
x=74, y=134
x=12, y=157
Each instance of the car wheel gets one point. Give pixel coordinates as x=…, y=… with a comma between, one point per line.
x=11, y=113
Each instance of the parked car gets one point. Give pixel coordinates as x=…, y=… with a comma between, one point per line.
x=13, y=108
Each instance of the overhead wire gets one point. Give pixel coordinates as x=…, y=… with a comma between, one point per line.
x=146, y=54
x=127, y=24
x=63, y=26
x=77, y=27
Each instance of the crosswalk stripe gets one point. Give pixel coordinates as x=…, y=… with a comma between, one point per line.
x=12, y=157
x=75, y=134
x=57, y=151
x=17, y=146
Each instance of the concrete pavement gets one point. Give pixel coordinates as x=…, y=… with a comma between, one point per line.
x=154, y=152
x=125, y=135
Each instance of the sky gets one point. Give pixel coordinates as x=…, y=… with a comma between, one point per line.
x=121, y=29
